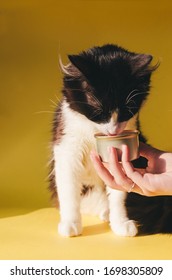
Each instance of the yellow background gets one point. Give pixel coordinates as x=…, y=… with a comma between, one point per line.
x=32, y=35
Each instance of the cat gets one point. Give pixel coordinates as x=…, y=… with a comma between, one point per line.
x=104, y=89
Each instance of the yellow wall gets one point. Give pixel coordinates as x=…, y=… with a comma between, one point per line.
x=32, y=34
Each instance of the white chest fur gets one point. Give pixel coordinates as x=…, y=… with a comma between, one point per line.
x=75, y=146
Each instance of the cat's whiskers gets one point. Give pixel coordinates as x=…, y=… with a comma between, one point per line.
x=131, y=107
x=58, y=99
x=96, y=100
x=96, y=113
x=130, y=102
x=42, y=112
x=134, y=95
x=129, y=95
x=130, y=112
x=53, y=102
x=53, y=106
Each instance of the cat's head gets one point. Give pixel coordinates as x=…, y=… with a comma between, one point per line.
x=108, y=85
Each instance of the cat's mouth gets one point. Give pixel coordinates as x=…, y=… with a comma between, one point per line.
x=112, y=128
x=113, y=134
x=116, y=129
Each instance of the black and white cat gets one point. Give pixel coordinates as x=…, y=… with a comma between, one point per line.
x=104, y=89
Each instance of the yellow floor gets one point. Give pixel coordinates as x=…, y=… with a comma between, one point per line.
x=34, y=236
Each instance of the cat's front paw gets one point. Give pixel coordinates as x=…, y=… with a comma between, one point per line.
x=70, y=228
x=126, y=228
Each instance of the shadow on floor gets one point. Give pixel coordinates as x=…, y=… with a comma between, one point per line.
x=96, y=229
x=11, y=212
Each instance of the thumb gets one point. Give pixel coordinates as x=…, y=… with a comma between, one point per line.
x=147, y=151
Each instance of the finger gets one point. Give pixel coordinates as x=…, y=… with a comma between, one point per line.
x=142, y=181
x=101, y=170
x=127, y=165
x=125, y=160
x=117, y=170
x=125, y=153
x=114, y=165
x=104, y=173
x=130, y=172
x=147, y=151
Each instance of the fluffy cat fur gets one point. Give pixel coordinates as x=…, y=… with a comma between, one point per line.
x=103, y=91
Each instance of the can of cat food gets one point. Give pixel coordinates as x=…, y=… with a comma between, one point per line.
x=127, y=137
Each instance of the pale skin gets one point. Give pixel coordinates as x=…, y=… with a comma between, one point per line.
x=155, y=180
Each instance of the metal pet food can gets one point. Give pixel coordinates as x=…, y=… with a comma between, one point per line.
x=127, y=137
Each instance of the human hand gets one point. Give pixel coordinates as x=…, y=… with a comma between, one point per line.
x=155, y=180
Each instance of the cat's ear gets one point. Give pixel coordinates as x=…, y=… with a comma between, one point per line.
x=141, y=64
x=142, y=60
x=80, y=63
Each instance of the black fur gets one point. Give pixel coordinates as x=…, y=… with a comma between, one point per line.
x=106, y=76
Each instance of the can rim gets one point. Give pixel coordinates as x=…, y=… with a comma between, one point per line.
x=124, y=134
